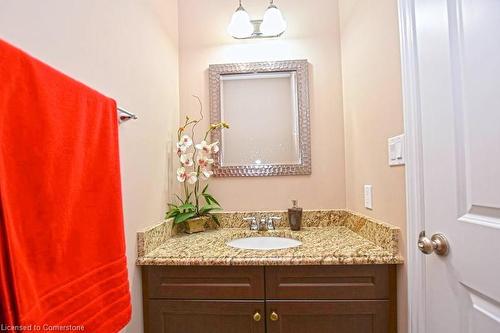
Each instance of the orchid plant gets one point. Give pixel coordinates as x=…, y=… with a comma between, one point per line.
x=195, y=161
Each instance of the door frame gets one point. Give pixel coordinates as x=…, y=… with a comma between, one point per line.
x=415, y=261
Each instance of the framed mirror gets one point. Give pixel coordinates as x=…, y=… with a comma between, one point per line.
x=267, y=107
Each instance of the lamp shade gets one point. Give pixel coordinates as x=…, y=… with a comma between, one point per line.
x=240, y=25
x=273, y=23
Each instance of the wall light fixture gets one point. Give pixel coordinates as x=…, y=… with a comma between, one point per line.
x=242, y=27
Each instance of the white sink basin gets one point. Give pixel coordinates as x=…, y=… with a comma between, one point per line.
x=264, y=243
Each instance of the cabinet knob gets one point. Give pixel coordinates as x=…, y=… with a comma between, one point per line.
x=274, y=316
x=257, y=316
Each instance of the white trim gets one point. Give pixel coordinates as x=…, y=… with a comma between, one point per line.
x=415, y=261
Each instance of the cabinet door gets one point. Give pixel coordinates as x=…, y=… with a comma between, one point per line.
x=188, y=316
x=327, y=316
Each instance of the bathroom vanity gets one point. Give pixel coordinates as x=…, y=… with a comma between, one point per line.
x=341, y=279
x=274, y=299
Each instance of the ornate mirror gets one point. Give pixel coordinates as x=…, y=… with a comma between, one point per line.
x=267, y=107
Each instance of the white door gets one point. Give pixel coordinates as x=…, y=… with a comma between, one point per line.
x=458, y=79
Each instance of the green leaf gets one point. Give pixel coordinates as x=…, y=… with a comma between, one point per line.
x=207, y=198
x=187, y=207
x=211, y=198
x=208, y=208
x=182, y=217
x=204, y=189
x=172, y=213
x=215, y=219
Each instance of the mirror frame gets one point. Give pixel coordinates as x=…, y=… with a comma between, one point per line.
x=300, y=67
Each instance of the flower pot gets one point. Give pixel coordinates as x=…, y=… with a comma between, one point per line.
x=196, y=225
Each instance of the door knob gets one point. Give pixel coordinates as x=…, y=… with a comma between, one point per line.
x=437, y=243
x=257, y=316
x=274, y=316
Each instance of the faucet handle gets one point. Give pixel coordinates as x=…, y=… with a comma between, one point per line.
x=270, y=222
x=253, y=222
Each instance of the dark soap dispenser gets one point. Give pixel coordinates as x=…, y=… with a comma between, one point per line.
x=295, y=216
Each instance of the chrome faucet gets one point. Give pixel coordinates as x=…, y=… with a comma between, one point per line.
x=270, y=222
x=263, y=225
x=253, y=222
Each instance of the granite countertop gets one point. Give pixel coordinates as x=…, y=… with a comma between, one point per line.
x=345, y=238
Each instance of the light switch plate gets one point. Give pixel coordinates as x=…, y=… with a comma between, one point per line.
x=368, y=196
x=396, y=150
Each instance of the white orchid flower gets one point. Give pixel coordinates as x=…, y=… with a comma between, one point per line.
x=215, y=147
x=182, y=175
x=208, y=148
x=192, y=178
x=202, y=145
x=184, y=144
x=204, y=161
x=186, y=141
x=206, y=173
x=186, y=160
x=181, y=149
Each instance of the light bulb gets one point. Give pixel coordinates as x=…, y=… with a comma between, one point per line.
x=240, y=25
x=273, y=23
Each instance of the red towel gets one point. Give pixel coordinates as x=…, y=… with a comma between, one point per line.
x=62, y=239
x=7, y=310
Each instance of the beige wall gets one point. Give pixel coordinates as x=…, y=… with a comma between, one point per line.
x=126, y=49
x=371, y=73
x=312, y=34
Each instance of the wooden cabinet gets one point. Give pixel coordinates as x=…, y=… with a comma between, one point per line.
x=327, y=316
x=284, y=299
x=185, y=316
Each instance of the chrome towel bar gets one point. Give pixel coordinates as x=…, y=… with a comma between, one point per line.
x=124, y=115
